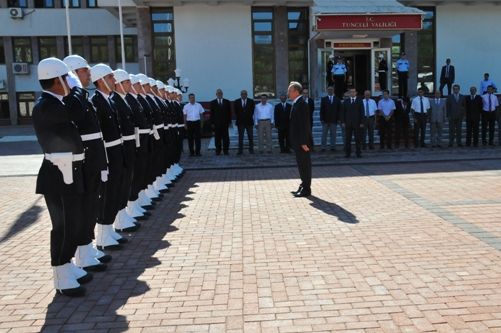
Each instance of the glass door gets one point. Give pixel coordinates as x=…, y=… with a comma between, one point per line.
x=324, y=77
x=381, y=70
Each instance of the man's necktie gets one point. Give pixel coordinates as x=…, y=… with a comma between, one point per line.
x=490, y=102
x=283, y=105
x=330, y=99
x=366, y=108
x=244, y=103
x=447, y=72
x=422, y=106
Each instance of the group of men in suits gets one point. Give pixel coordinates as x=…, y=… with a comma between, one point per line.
x=107, y=160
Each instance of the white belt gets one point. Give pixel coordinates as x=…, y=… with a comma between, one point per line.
x=92, y=136
x=158, y=126
x=180, y=125
x=166, y=126
x=75, y=157
x=113, y=143
x=128, y=137
x=144, y=131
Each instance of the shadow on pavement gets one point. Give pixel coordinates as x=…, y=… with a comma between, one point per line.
x=333, y=209
x=23, y=221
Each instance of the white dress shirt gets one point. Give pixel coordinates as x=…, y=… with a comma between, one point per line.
x=494, y=102
x=386, y=106
x=263, y=112
x=416, y=104
x=370, y=107
x=193, y=111
x=59, y=97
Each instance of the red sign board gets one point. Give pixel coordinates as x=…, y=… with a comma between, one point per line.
x=370, y=22
x=351, y=45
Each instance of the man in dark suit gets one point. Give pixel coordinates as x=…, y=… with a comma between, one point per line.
x=311, y=107
x=473, y=104
x=455, y=114
x=244, y=114
x=352, y=119
x=447, y=77
x=330, y=112
x=61, y=179
x=300, y=134
x=282, y=119
x=220, y=115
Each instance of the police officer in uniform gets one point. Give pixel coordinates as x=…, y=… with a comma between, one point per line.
x=328, y=71
x=95, y=167
x=102, y=77
x=403, y=75
x=61, y=178
x=178, y=170
x=382, y=73
x=339, y=75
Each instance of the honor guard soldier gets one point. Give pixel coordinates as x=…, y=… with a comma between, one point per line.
x=95, y=167
x=102, y=77
x=403, y=75
x=339, y=71
x=61, y=178
x=178, y=170
x=135, y=206
x=170, y=137
x=123, y=221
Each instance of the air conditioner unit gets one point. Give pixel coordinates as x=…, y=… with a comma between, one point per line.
x=16, y=13
x=20, y=68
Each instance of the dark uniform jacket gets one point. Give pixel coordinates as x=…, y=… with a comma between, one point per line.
x=141, y=121
x=56, y=133
x=455, y=109
x=244, y=116
x=353, y=113
x=311, y=108
x=125, y=118
x=299, y=127
x=220, y=115
x=330, y=112
x=282, y=116
x=474, y=107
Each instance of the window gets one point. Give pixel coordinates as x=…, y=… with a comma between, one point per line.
x=17, y=3
x=98, y=49
x=426, y=51
x=298, y=35
x=164, y=55
x=22, y=49
x=130, y=46
x=4, y=106
x=25, y=104
x=263, y=51
x=47, y=47
x=91, y=3
x=44, y=3
x=2, y=52
x=72, y=3
x=395, y=55
x=76, y=46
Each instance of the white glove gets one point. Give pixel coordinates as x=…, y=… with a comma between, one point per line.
x=136, y=133
x=104, y=175
x=155, y=134
x=73, y=80
x=64, y=162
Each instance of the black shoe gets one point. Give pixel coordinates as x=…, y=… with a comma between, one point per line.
x=347, y=155
x=240, y=153
x=450, y=145
x=148, y=207
x=73, y=292
x=111, y=247
x=129, y=229
x=198, y=154
x=142, y=217
x=166, y=190
x=424, y=145
x=303, y=193
x=359, y=155
x=85, y=279
x=251, y=151
x=460, y=145
x=226, y=153
x=105, y=259
x=298, y=190
x=218, y=153
x=322, y=150
x=95, y=268
x=491, y=143
x=122, y=240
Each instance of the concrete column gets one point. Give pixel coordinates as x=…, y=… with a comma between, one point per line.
x=411, y=50
x=315, y=73
x=144, y=40
x=11, y=81
x=86, y=47
x=3, y=3
x=35, y=50
x=60, y=47
x=281, y=49
x=111, y=52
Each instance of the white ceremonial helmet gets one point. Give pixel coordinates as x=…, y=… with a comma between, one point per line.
x=99, y=71
x=143, y=79
x=169, y=89
x=152, y=82
x=134, y=79
x=121, y=75
x=75, y=62
x=160, y=85
x=177, y=91
x=51, y=68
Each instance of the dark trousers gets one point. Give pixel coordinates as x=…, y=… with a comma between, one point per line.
x=383, y=80
x=349, y=132
x=283, y=140
x=472, y=130
x=455, y=129
x=402, y=131
x=369, y=125
x=194, y=133
x=385, y=131
x=140, y=169
x=403, y=78
x=93, y=212
x=150, y=174
x=448, y=83
x=488, y=121
x=180, y=137
x=419, y=129
x=250, y=137
x=339, y=85
x=66, y=215
x=112, y=198
x=303, y=160
x=222, y=139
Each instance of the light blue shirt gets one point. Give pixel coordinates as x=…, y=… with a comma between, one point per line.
x=387, y=106
x=403, y=65
x=485, y=84
x=339, y=69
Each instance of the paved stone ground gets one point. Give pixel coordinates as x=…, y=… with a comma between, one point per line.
x=411, y=247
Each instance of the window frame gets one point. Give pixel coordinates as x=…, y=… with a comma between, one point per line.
x=170, y=49
x=255, y=46
x=25, y=47
x=105, y=56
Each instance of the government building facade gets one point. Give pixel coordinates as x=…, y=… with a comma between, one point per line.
x=255, y=45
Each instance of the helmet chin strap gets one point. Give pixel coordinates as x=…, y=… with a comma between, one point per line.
x=122, y=87
x=133, y=89
x=66, y=91
x=106, y=85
